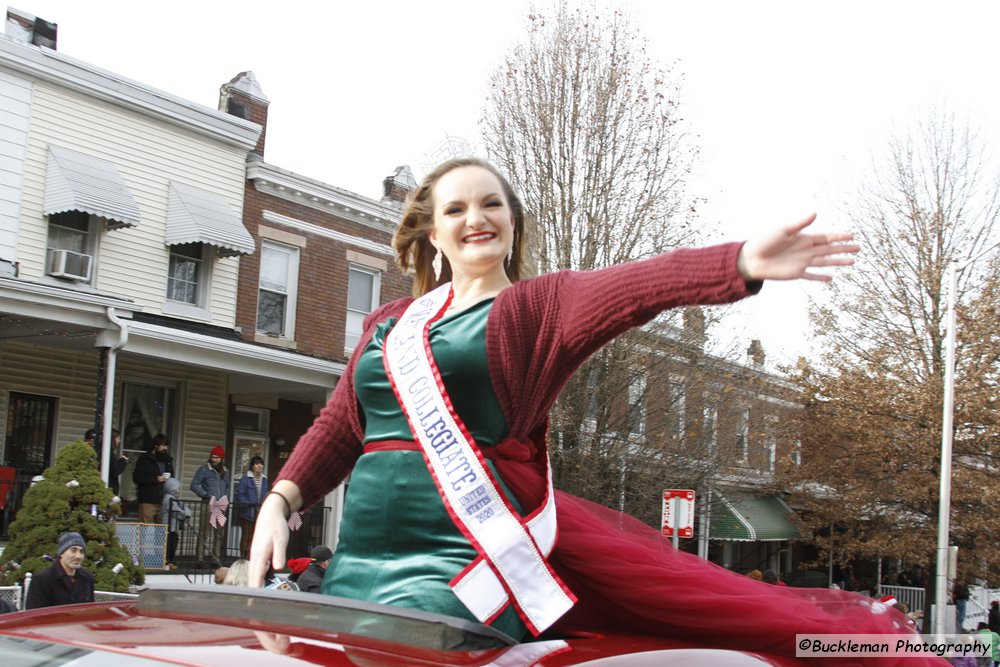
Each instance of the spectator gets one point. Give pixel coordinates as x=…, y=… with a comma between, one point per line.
x=66, y=582
x=993, y=640
x=756, y=575
x=152, y=469
x=174, y=513
x=211, y=484
x=770, y=577
x=119, y=462
x=220, y=575
x=311, y=580
x=993, y=619
x=237, y=573
x=250, y=493
x=960, y=595
x=6, y=607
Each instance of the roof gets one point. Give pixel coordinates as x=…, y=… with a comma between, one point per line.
x=743, y=517
x=56, y=67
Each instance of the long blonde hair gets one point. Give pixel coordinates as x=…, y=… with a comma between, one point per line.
x=414, y=251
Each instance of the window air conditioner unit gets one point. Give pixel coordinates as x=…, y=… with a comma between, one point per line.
x=70, y=265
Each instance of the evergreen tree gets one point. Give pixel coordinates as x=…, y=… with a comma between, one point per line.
x=72, y=497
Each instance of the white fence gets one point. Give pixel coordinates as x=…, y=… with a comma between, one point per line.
x=18, y=595
x=978, y=608
x=911, y=596
x=976, y=611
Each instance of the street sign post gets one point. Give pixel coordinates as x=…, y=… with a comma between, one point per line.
x=678, y=514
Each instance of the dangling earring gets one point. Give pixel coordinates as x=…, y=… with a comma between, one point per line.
x=436, y=263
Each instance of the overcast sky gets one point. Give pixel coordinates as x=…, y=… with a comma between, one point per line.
x=788, y=101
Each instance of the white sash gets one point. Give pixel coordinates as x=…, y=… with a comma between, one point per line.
x=512, y=561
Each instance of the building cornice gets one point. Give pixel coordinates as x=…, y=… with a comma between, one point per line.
x=347, y=239
x=299, y=189
x=42, y=63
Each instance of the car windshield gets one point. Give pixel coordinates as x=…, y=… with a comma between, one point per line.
x=285, y=611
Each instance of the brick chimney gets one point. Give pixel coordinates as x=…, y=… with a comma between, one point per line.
x=31, y=29
x=755, y=353
x=694, y=327
x=243, y=97
x=397, y=186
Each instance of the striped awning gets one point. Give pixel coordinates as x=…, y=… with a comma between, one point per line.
x=743, y=517
x=195, y=215
x=79, y=182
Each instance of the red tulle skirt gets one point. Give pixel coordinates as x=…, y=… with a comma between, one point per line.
x=628, y=577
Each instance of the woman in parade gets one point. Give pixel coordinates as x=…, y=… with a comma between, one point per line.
x=440, y=418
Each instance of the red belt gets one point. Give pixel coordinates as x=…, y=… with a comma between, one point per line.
x=391, y=445
x=490, y=452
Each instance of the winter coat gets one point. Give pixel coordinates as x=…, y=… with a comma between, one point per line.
x=147, y=469
x=53, y=587
x=311, y=580
x=173, y=512
x=208, y=483
x=246, y=497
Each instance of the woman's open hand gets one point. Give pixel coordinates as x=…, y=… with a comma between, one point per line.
x=270, y=539
x=789, y=253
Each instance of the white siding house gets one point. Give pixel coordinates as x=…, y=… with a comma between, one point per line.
x=121, y=234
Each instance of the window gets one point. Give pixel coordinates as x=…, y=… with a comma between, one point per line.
x=709, y=426
x=147, y=409
x=30, y=424
x=187, y=275
x=771, y=440
x=73, y=233
x=253, y=420
x=279, y=278
x=363, y=293
x=797, y=453
x=637, y=405
x=678, y=408
x=743, y=435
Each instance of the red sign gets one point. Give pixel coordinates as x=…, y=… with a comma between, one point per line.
x=678, y=512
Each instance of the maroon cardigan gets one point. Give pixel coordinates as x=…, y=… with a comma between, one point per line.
x=538, y=332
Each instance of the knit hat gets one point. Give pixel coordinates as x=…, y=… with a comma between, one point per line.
x=321, y=553
x=67, y=540
x=218, y=451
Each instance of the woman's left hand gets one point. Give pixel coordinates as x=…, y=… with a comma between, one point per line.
x=789, y=253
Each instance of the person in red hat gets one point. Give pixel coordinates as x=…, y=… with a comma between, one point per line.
x=211, y=484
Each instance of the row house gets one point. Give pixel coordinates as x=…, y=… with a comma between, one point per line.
x=719, y=427
x=156, y=276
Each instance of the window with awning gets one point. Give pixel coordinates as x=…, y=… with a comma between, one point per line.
x=84, y=183
x=195, y=215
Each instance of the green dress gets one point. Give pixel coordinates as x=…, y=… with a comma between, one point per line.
x=398, y=545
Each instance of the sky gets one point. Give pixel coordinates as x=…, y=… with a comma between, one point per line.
x=789, y=103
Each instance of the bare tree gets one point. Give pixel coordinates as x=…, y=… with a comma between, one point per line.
x=873, y=435
x=588, y=130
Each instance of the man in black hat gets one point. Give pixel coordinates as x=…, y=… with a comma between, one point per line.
x=311, y=580
x=66, y=582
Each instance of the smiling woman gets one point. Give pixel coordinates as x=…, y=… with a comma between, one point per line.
x=442, y=414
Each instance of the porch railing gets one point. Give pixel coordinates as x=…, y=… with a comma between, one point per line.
x=202, y=546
